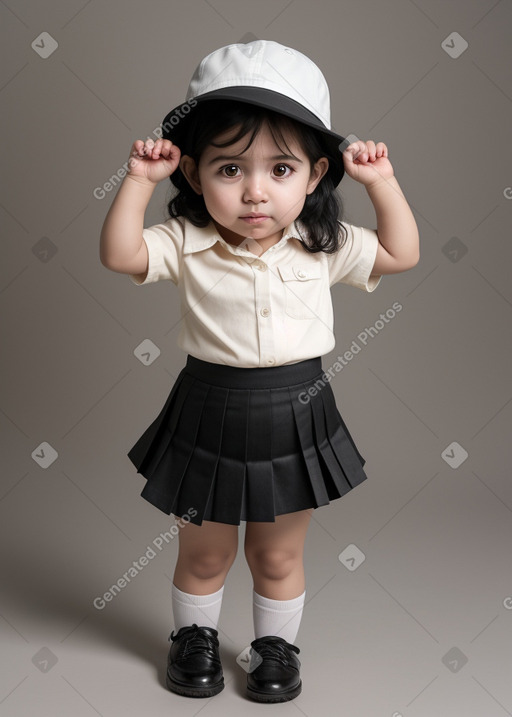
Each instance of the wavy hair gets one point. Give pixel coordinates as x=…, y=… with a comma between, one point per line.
x=321, y=213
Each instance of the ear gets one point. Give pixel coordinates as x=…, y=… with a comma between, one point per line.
x=189, y=170
x=318, y=171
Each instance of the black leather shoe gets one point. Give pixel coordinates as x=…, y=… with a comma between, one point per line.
x=277, y=678
x=193, y=664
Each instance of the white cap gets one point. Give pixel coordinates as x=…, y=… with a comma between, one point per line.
x=267, y=74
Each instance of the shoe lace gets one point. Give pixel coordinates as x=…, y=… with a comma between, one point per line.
x=274, y=649
x=197, y=640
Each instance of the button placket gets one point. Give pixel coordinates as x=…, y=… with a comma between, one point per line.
x=264, y=314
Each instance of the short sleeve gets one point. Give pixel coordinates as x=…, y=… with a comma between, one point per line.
x=353, y=263
x=164, y=243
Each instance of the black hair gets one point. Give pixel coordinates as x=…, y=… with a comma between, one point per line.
x=322, y=208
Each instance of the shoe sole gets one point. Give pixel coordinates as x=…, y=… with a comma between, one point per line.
x=274, y=697
x=188, y=691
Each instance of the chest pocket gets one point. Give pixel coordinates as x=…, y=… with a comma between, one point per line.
x=302, y=290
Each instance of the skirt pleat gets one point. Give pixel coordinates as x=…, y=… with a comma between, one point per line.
x=259, y=479
x=204, y=451
x=233, y=444
x=328, y=461
x=230, y=478
x=165, y=478
x=349, y=459
x=311, y=448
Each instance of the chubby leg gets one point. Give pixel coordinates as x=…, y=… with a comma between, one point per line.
x=274, y=553
x=206, y=553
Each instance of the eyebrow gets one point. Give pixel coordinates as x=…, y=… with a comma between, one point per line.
x=222, y=158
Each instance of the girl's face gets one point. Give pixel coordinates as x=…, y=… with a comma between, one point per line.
x=261, y=181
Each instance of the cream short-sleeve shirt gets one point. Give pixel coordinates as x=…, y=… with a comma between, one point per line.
x=250, y=310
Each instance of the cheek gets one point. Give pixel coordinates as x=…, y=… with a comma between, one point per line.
x=294, y=199
x=215, y=196
x=217, y=199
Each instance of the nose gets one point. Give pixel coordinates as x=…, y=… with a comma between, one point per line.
x=255, y=189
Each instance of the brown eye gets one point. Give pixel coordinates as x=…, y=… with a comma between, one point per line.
x=280, y=170
x=228, y=169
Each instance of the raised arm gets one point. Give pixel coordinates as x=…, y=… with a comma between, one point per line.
x=122, y=247
x=397, y=231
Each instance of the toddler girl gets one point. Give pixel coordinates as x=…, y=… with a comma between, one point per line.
x=250, y=431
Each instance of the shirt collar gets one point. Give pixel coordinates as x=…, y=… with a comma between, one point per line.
x=199, y=238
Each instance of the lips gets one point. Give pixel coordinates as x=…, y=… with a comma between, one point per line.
x=254, y=218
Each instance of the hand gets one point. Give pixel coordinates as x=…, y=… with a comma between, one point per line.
x=367, y=162
x=153, y=161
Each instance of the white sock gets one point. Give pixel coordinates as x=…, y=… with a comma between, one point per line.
x=277, y=617
x=204, y=610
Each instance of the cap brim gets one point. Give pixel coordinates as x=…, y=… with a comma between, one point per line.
x=270, y=100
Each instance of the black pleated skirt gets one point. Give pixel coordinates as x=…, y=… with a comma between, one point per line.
x=234, y=444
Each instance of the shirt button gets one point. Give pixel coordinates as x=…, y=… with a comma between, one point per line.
x=265, y=312
x=301, y=274
x=271, y=360
x=262, y=267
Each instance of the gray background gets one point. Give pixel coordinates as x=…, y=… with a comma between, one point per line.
x=423, y=625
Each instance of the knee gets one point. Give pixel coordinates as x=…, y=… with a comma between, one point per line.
x=272, y=564
x=209, y=563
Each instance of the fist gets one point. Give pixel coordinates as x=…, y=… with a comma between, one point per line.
x=153, y=160
x=367, y=162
